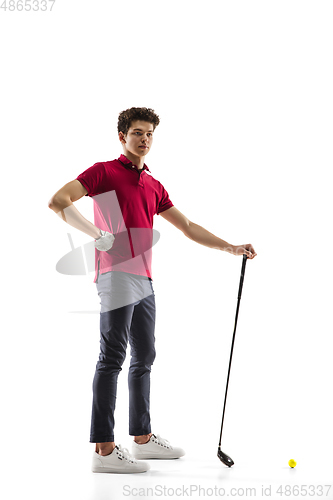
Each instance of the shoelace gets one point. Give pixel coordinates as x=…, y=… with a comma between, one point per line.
x=163, y=442
x=125, y=453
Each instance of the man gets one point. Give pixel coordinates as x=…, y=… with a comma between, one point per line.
x=126, y=198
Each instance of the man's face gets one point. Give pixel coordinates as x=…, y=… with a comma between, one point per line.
x=140, y=134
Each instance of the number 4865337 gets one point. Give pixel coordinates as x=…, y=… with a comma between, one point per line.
x=27, y=5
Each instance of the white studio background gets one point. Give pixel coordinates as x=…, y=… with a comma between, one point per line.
x=244, y=148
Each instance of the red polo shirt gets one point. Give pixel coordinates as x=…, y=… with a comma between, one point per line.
x=125, y=202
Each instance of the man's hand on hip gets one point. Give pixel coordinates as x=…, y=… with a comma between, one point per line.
x=105, y=241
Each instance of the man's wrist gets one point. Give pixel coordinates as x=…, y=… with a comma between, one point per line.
x=229, y=248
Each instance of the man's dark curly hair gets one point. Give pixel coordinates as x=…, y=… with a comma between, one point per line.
x=129, y=115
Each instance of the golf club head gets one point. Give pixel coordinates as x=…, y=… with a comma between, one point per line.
x=224, y=458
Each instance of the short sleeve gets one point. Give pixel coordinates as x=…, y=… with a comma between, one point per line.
x=93, y=179
x=164, y=201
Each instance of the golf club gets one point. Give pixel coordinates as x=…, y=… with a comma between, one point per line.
x=223, y=456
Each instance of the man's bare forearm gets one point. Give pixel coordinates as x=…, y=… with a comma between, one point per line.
x=201, y=235
x=73, y=217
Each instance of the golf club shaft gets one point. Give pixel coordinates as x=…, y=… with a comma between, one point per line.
x=233, y=337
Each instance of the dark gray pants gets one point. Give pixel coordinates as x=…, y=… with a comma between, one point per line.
x=127, y=314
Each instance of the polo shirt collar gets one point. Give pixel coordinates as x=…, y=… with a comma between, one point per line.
x=125, y=161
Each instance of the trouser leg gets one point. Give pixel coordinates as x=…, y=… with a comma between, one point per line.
x=115, y=326
x=142, y=342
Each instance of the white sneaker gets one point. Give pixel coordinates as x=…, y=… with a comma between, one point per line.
x=156, y=447
x=119, y=461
